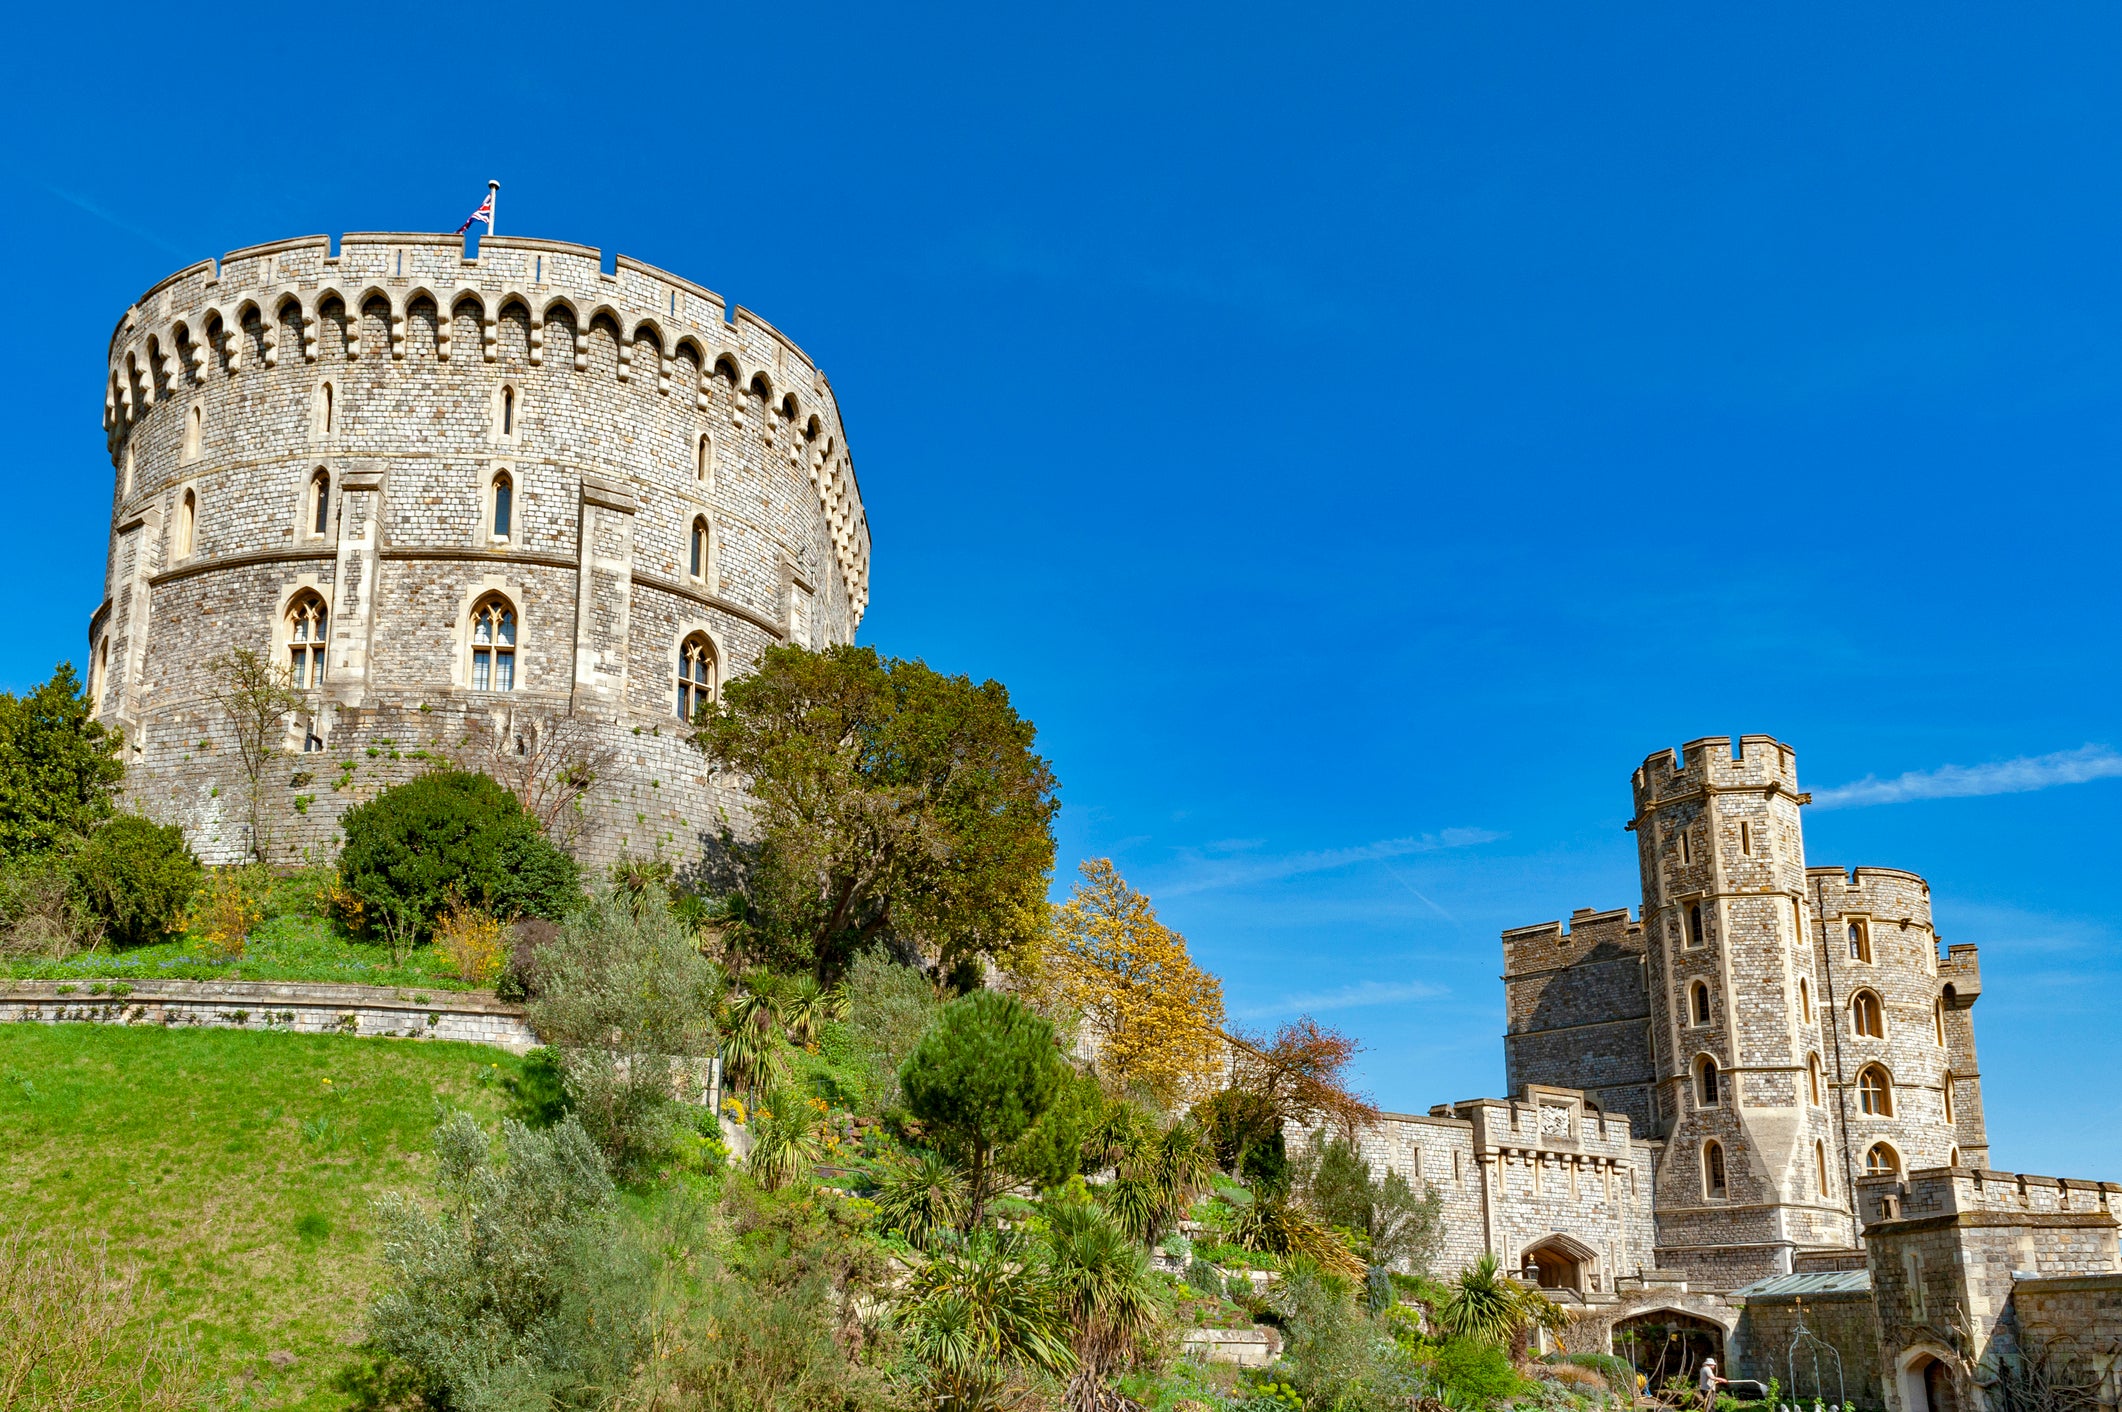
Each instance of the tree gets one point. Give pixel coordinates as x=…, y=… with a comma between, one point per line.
x=450, y=836
x=257, y=696
x=981, y=1076
x=1399, y=1225
x=59, y=769
x=895, y=804
x=1154, y=1017
x=549, y=762
x=1108, y=1294
x=1301, y=1075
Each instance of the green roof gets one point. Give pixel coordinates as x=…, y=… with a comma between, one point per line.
x=1823, y=1282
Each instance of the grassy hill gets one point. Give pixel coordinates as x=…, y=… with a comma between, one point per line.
x=237, y=1169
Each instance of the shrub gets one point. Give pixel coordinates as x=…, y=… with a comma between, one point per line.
x=626, y=1003
x=889, y=1006
x=136, y=876
x=1203, y=1277
x=231, y=903
x=474, y=941
x=450, y=836
x=41, y=912
x=58, y=767
x=518, y=1291
x=1474, y=1370
x=72, y=1335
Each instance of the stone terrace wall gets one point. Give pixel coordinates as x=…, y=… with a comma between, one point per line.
x=474, y=1017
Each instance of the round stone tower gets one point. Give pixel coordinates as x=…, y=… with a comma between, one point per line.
x=511, y=511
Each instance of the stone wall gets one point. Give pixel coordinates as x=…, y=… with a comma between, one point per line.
x=403, y=381
x=1761, y=1347
x=474, y=1017
x=1578, y=1014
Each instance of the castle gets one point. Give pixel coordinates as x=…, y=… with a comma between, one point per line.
x=514, y=509
x=1748, y=1123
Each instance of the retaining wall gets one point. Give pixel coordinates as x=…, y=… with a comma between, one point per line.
x=472, y=1016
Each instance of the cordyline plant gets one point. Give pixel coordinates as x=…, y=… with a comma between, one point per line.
x=894, y=805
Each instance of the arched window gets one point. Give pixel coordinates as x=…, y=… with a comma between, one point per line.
x=508, y=411
x=1866, y=1015
x=1946, y=1089
x=99, y=675
x=320, y=500
x=1875, y=1092
x=1812, y=1078
x=1859, y=942
x=696, y=562
x=1713, y=1185
x=704, y=459
x=325, y=409
x=1954, y=1160
x=1937, y=1019
x=696, y=676
x=187, y=524
x=1882, y=1161
x=494, y=644
x=1805, y=1001
x=127, y=491
x=305, y=641
x=1698, y=1002
x=1706, y=1081
x=504, y=504
x=194, y=433
x=1820, y=1167
x=1695, y=934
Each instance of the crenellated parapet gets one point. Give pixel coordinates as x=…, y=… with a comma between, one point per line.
x=296, y=301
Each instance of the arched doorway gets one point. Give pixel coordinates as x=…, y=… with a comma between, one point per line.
x=1559, y=1262
x=1928, y=1383
x=1665, y=1344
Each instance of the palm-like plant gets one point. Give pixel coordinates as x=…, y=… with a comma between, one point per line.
x=752, y=1049
x=785, y=1140
x=1156, y=1175
x=1275, y=1227
x=808, y=1007
x=922, y=1199
x=1485, y=1304
x=977, y=1314
x=1107, y=1293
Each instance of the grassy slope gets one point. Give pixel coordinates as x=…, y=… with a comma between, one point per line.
x=295, y=947
x=237, y=1168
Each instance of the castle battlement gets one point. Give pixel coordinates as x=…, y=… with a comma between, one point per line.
x=1712, y=762
x=1956, y=1191
x=284, y=301
x=1590, y=936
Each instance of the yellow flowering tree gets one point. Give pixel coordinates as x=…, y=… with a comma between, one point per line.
x=1153, y=1016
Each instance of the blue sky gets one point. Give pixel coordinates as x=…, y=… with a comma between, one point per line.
x=1357, y=436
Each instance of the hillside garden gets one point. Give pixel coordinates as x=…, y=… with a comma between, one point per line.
x=853, y=1118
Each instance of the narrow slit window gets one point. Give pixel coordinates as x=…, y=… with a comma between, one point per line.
x=494, y=645
x=1746, y=839
x=1706, y=1082
x=187, y=524
x=1859, y=942
x=320, y=495
x=1698, y=1002
x=194, y=433
x=1937, y=1017
x=1713, y=1185
x=1805, y=1001
x=1696, y=934
x=1946, y=1092
x=697, y=561
x=1820, y=1168
x=504, y=505
x=325, y=401
x=703, y=459
x=508, y=411
x=1812, y=1079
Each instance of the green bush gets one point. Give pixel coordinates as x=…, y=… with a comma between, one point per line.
x=137, y=877
x=42, y=914
x=1203, y=1277
x=1475, y=1371
x=888, y=1008
x=451, y=835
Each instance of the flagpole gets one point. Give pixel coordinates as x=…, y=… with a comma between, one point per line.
x=493, y=194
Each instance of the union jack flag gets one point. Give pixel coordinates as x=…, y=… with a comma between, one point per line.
x=484, y=213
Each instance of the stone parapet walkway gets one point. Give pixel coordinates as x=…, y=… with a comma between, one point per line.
x=473, y=1016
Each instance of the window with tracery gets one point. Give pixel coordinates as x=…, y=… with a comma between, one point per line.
x=1882, y=1161
x=696, y=676
x=1867, y=1017
x=494, y=644
x=1875, y=1092
x=305, y=641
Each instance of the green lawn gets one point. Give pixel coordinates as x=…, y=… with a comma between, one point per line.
x=295, y=947
x=236, y=1168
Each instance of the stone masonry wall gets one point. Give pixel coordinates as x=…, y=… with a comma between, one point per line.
x=624, y=409
x=1578, y=1013
x=473, y=1017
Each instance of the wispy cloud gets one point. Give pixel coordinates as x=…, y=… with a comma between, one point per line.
x=1206, y=874
x=2028, y=772
x=105, y=216
x=1348, y=997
